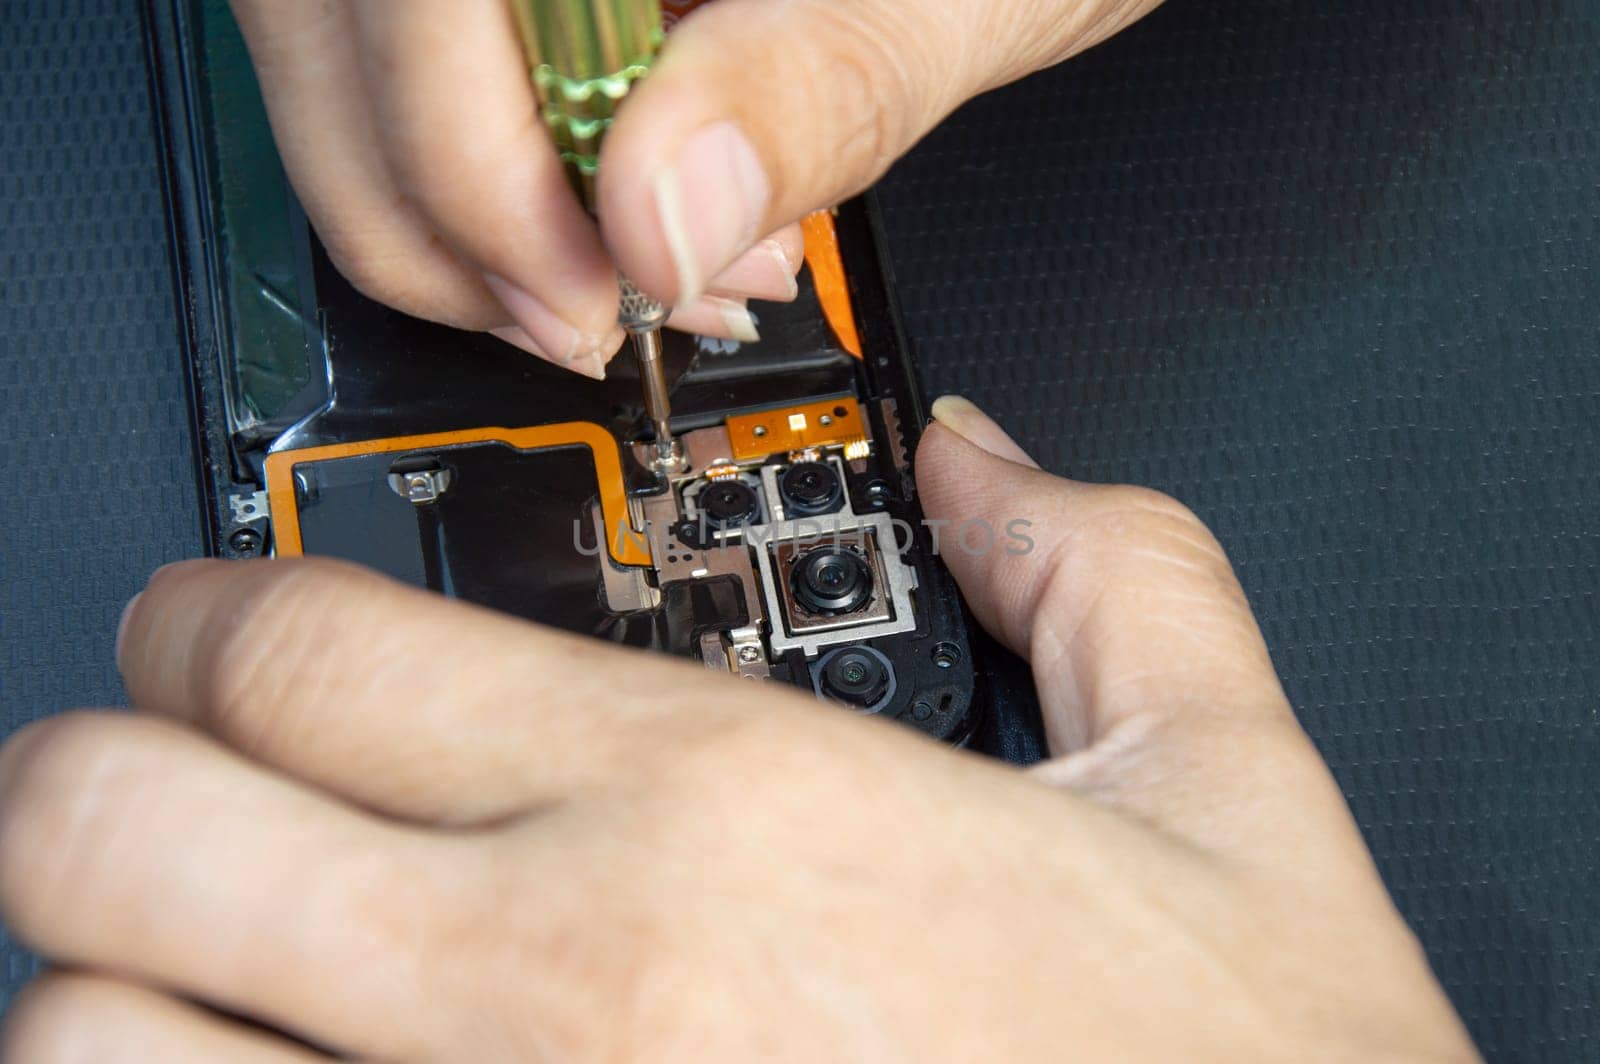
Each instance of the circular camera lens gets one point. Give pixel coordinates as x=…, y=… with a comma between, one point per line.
x=729, y=504
x=809, y=489
x=855, y=677
x=830, y=581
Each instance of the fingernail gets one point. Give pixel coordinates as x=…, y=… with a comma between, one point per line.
x=711, y=203
x=593, y=366
x=737, y=317
x=549, y=337
x=962, y=417
x=763, y=272
x=122, y=626
x=714, y=315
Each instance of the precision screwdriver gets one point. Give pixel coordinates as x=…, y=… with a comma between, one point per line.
x=584, y=56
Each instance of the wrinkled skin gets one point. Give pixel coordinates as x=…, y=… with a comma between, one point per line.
x=405, y=829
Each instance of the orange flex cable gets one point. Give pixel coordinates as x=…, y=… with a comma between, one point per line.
x=626, y=549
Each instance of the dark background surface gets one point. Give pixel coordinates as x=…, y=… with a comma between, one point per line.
x=1330, y=273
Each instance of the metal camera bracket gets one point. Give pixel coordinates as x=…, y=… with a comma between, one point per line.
x=899, y=579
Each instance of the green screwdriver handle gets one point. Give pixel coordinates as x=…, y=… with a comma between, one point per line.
x=584, y=56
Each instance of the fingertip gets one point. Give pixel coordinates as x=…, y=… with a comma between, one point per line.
x=550, y=336
x=136, y=615
x=173, y=596
x=964, y=418
x=594, y=368
x=965, y=461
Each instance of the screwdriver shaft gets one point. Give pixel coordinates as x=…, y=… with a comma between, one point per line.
x=643, y=317
x=647, y=348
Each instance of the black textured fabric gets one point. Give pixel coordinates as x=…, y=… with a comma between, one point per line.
x=1330, y=273
x=1327, y=272
x=95, y=462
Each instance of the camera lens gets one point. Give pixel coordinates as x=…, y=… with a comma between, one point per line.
x=830, y=581
x=809, y=489
x=729, y=504
x=855, y=677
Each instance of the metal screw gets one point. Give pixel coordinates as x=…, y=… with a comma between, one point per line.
x=245, y=541
x=749, y=655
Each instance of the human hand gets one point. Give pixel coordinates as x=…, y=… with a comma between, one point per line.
x=406, y=829
x=411, y=133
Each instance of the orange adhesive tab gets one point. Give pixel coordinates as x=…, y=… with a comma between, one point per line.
x=794, y=428
x=827, y=275
x=626, y=549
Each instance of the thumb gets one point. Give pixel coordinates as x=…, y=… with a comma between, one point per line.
x=760, y=111
x=1157, y=691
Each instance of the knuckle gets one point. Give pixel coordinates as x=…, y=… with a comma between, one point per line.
x=374, y=270
x=53, y=1021
x=480, y=188
x=1136, y=503
x=875, y=93
x=861, y=126
x=438, y=176
x=1136, y=524
x=725, y=766
x=392, y=913
x=711, y=745
x=1124, y=544
x=414, y=272
x=277, y=632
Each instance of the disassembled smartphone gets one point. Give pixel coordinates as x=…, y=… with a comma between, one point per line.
x=789, y=548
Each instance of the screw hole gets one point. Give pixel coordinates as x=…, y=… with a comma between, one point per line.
x=947, y=655
x=840, y=411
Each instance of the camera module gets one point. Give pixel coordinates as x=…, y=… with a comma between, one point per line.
x=810, y=489
x=729, y=504
x=856, y=676
x=830, y=581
